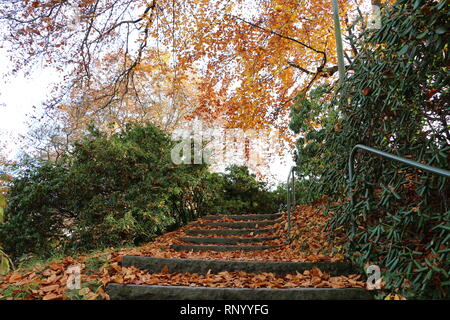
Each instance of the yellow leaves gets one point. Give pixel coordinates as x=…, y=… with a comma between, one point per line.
x=238, y=42
x=258, y=52
x=313, y=124
x=63, y=107
x=165, y=58
x=287, y=76
x=229, y=8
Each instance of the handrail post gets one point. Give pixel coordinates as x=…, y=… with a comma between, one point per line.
x=290, y=198
x=351, y=170
x=293, y=198
x=290, y=205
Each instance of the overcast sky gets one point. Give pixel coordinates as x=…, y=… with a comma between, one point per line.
x=18, y=95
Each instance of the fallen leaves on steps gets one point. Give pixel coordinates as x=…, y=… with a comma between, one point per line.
x=313, y=278
x=310, y=244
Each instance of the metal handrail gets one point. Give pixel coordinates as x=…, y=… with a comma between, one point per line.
x=412, y=163
x=290, y=197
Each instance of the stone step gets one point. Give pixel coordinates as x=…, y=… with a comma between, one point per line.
x=152, y=292
x=194, y=247
x=155, y=265
x=239, y=225
x=208, y=240
x=243, y=217
x=228, y=232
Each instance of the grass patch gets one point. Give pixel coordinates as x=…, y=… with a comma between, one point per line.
x=86, y=289
x=94, y=264
x=18, y=292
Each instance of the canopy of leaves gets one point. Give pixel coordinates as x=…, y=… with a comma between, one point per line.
x=252, y=57
x=396, y=99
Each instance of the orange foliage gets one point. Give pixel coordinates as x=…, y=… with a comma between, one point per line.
x=252, y=57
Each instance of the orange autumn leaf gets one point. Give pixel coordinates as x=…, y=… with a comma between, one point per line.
x=165, y=269
x=50, y=288
x=53, y=296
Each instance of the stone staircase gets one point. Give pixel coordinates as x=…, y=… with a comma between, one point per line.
x=231, y=233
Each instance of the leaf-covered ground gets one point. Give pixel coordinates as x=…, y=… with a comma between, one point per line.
x=49, y=281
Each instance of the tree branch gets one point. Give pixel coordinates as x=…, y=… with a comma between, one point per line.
x=276, y=34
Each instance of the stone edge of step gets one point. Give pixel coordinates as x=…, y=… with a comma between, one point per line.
x=193, y=247
x=229, y=240
x=244, y=217
x=157, y=292
x=229, y=231
x=177, y=265
x=239, y=224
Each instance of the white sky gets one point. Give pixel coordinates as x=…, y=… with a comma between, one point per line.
x=18, y=95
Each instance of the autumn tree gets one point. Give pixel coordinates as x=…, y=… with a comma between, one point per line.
x=158, y=96
x=157, y=99
x=252, y=56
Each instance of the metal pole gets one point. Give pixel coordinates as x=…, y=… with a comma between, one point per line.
x=293, y=199
x=339, y=46
x=412, y=163
x=289, y=204
x=290, y=198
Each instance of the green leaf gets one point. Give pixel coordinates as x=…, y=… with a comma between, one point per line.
x=4, y=264
x=403, y=50
x=422, y=35
x=442, y=29
x=417, y=4
x=441, y=4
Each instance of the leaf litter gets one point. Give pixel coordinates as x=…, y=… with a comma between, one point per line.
x=310, y=244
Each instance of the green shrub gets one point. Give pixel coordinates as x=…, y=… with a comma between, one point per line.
x=118, y=190
x=109, y=191
x=395, y=99
x=314, y=117
x=242, y=193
